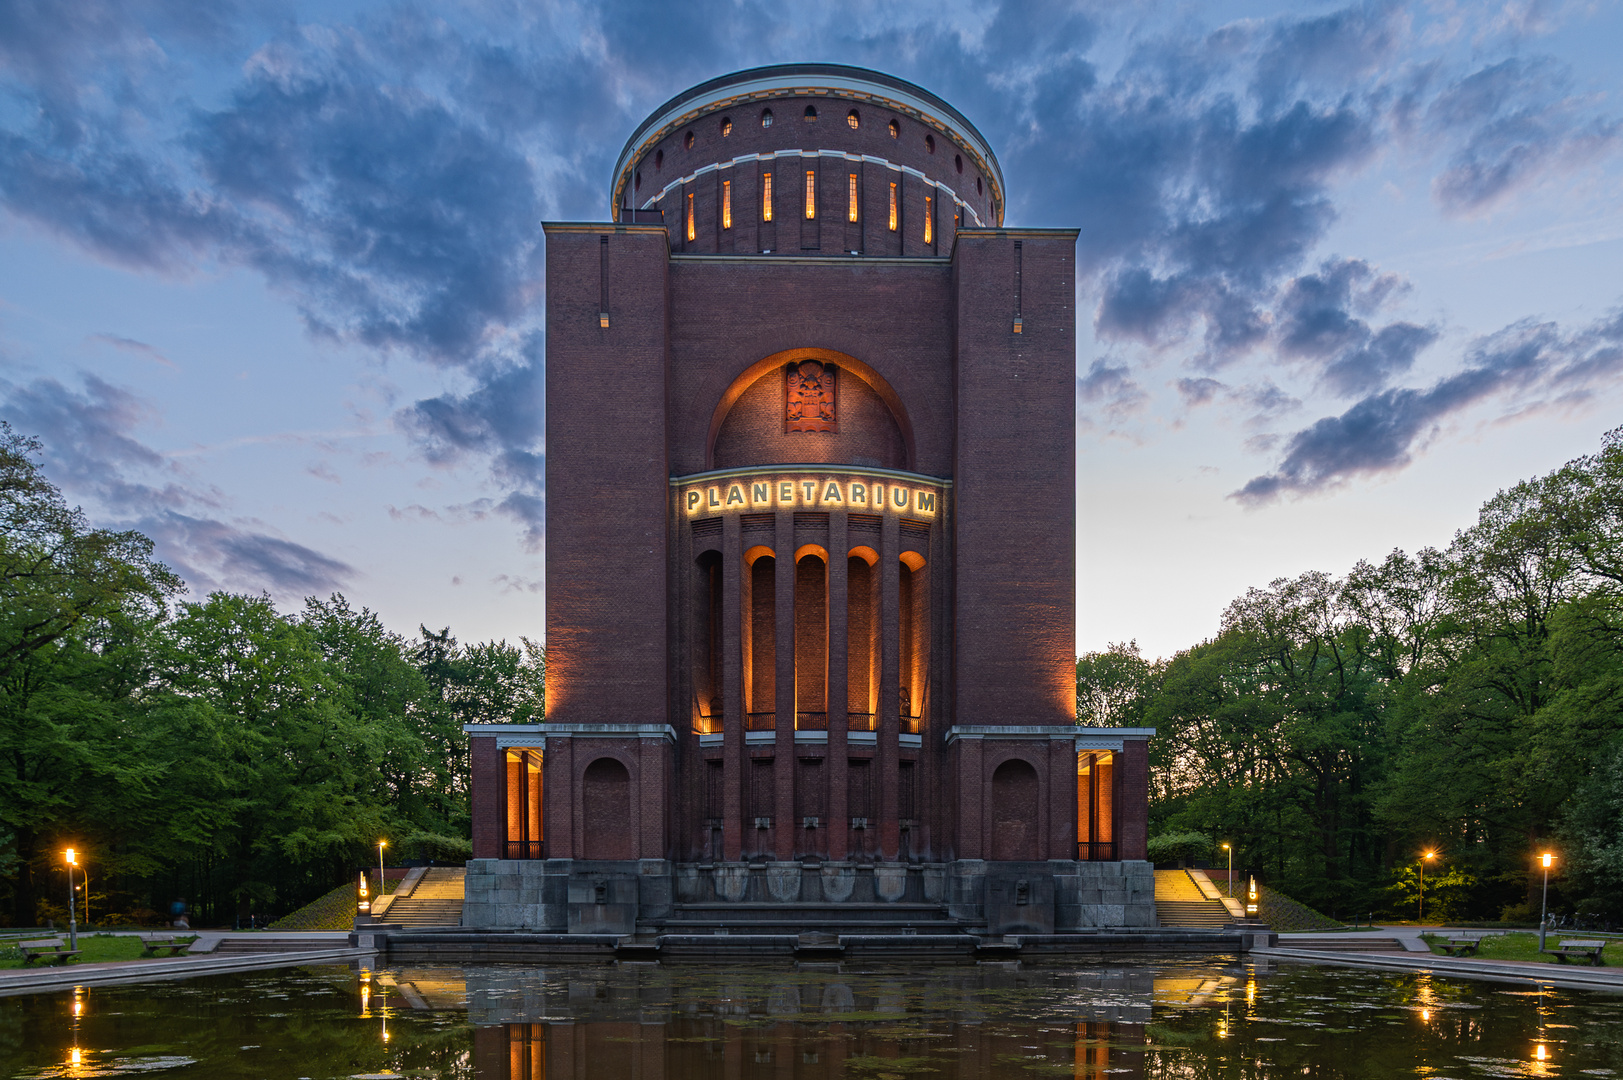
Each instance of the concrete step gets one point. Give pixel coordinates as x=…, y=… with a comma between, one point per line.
x=1192, y=913
x=1348, y=944
x=254, y=944
x=795, y=918
x=435, y=901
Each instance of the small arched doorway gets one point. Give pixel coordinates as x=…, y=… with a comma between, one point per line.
x=606, y=801
x=1014, y=812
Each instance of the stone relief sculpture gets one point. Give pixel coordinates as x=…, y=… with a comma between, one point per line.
x=809, y=398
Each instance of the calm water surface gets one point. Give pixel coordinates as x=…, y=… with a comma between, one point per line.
x=1151, y=1019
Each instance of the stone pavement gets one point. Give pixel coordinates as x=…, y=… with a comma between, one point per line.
x=206, y=957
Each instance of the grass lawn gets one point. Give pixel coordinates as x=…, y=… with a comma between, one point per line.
x=93, y=949
x=1525, y=947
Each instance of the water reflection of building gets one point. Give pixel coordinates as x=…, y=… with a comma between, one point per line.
x=810, y=544
x=654, y=1023
x=687, y=1051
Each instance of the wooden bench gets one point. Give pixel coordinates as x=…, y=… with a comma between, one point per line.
x=1460, y=946
x=151, y=943
x=53, y=950
x=1578, y=947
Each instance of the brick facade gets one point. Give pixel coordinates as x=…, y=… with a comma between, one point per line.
x=851, y=645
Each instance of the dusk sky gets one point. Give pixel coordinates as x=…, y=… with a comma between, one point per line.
x=272, y=290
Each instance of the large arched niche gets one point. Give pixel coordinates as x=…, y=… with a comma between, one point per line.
x=747, y=427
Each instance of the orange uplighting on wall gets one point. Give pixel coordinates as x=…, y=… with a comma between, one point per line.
x=893, y=208
x=811, y=194
x=726, y=204
x=766, y=196
x=929, y=225
x=690, y=218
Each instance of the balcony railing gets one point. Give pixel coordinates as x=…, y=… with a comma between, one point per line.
x=1096, y=851
x=524, y=849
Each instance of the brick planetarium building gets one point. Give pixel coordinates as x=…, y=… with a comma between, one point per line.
x=810, y=545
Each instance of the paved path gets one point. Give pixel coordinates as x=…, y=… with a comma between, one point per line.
x=1466, y=967
x=323, y=948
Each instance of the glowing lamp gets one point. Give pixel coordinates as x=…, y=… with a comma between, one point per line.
x=363, y=904
x=73, y=859
x=1546, y=859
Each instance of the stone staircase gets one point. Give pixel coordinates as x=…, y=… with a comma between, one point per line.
x=435, y=899
x=1182, y=903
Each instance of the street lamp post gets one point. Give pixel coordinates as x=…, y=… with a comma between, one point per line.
x=1544, y=906
x=1230, y=851
x=1427, y=855
x=73, y=915
x=380, y=866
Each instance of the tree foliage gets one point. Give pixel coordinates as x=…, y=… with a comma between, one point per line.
x=217, y=750
x=1468, y=700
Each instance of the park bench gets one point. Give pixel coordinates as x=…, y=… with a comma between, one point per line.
x=54, y=950
x=1576, y=947
x=1460, y=946
x=151, y=943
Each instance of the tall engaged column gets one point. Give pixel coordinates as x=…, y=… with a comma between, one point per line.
x=783, y=752
x=890, y=686
x=835, y=766
x=732, y=688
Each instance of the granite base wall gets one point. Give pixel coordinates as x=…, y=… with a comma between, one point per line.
x=582, y=896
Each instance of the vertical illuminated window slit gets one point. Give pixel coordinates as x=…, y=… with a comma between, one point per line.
x=851, y=210
x=811, y=193
x=893, y=208
x=691, y=233
x=726, y=204
x=929, y=230
x=766, y=196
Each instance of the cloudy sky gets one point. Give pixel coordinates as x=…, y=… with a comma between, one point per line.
x=271, y=273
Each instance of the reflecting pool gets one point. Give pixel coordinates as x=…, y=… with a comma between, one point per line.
x=1151, y=1019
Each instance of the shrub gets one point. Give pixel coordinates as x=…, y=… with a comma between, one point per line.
x=439, y=847
x=1171, y=847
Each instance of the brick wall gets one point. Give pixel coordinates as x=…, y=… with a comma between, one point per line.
x=606, y=475
x=1015, y=468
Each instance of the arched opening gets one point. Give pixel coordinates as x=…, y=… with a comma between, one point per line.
x=706, y=630
x=811, y=113
x=870, y=427
x=811, y=638
x=853, y=120
x=726, y=126
x=766, y=118
x=760, y=639
x=606, y=810
x=862, y=639
x=913, y=644
x=687, y=141
x=895, y=130
x=1014, y=812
